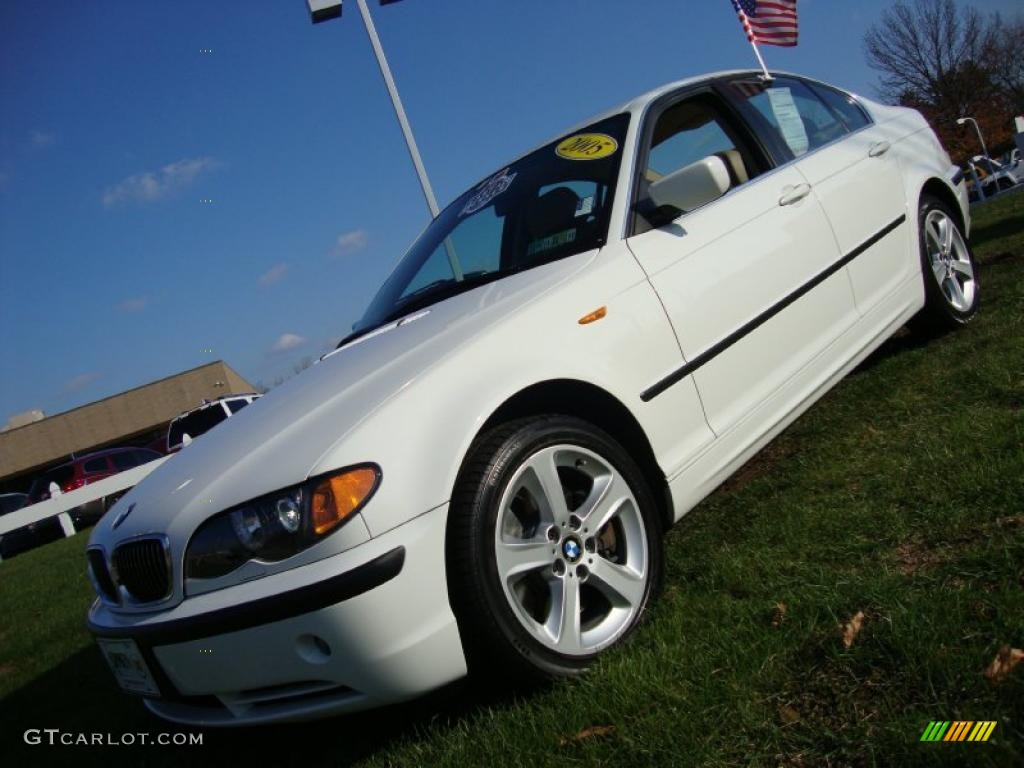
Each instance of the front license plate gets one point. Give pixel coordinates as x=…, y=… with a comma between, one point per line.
x=129, y=666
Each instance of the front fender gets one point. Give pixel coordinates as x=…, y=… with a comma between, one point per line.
x=421, y=435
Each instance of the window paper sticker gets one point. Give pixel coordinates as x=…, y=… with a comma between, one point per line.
x=790, y=122
x=585, y=206
x=587, y=146
x=551, y=241
x=490, y=189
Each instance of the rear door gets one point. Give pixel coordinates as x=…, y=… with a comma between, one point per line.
x=749, y=281
x=848, y=162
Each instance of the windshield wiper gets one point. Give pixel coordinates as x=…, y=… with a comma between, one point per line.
x=428, y=295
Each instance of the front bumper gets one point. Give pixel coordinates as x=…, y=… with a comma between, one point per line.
x=361, y=629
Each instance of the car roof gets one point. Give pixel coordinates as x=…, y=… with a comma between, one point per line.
x=211, y=403
x=97, y=454
x=638, y=104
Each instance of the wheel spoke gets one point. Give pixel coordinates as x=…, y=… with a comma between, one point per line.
x=606, y=499
x=947, y=236
x=546, y=471
x=516, y=557
x=933, y=233
x=963, y=267
x=939, y=270
x=565, y=612
x=956, y=293
x=619, y=584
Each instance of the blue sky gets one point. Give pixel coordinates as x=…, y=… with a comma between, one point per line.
x=121, y=119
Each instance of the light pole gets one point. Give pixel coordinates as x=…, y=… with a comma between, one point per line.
x=984, y=152
x=972, y=121
x=322, y=10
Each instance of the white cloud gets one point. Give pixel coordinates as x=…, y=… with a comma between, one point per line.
x=274, y=275
x=155, y=185
x=80, y=382
x=42, y=138
x=134, y=304
x=287, y=341
x=350, y=242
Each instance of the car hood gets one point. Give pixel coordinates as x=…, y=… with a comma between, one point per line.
x=277, y=440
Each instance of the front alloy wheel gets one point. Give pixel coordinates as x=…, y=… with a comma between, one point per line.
x=571, y=550
x=554, y=547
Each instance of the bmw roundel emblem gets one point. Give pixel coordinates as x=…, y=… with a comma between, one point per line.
x=571, y=549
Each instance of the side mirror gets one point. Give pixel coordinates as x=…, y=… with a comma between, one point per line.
x=692, y=186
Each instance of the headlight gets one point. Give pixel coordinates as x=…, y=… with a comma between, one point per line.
x=279, y=525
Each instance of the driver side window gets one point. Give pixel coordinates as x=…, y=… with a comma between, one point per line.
x=685, y=134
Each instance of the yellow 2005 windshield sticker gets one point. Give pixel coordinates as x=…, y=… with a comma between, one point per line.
x=587, y=146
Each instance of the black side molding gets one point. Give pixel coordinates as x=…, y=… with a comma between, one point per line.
x=285, y=605
x=719, y=347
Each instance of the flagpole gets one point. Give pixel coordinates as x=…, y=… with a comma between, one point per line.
x=757, y=52
x=745, y=22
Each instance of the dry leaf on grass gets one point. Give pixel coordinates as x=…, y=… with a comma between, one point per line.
x=593, y=732
x=779, y=614
x=788, y=715
x=1003, y=664
x=852, y=628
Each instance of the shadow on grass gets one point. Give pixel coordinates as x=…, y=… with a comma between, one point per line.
x=905, y=340
x=79, y=696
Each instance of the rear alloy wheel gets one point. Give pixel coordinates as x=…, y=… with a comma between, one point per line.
x=556, y=546
x=952, y=290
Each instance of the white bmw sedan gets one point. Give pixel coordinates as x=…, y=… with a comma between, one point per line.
x=572, y=355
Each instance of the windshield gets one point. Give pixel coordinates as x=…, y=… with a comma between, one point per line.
x=553, y=203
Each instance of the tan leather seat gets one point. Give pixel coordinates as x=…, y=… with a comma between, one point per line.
x=734, y=162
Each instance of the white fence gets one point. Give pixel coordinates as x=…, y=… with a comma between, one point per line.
x=61, y=504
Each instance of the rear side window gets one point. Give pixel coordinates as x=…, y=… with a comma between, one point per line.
x=144, y=457
x=123, y=461
x=196, y=423
x=843, y=104
x=800, y=118
x=237, y=405
x=99, y=464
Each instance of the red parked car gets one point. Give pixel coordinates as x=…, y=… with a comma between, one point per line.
x=88, y=469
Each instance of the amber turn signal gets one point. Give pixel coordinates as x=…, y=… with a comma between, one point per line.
x=335, y=498
x=594, y=316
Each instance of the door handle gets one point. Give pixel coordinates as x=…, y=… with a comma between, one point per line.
x=879, y=148
x=795, y=194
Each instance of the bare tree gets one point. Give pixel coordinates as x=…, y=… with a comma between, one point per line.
x=949, y=61
x=918, y=47
x=1006, y=61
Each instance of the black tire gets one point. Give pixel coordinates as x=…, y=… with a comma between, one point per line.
x=939, y=313
x=494, y=639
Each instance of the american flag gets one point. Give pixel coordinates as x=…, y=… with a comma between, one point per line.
x=770, y=22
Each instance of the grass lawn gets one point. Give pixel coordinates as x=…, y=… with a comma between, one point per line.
x=900, y=495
